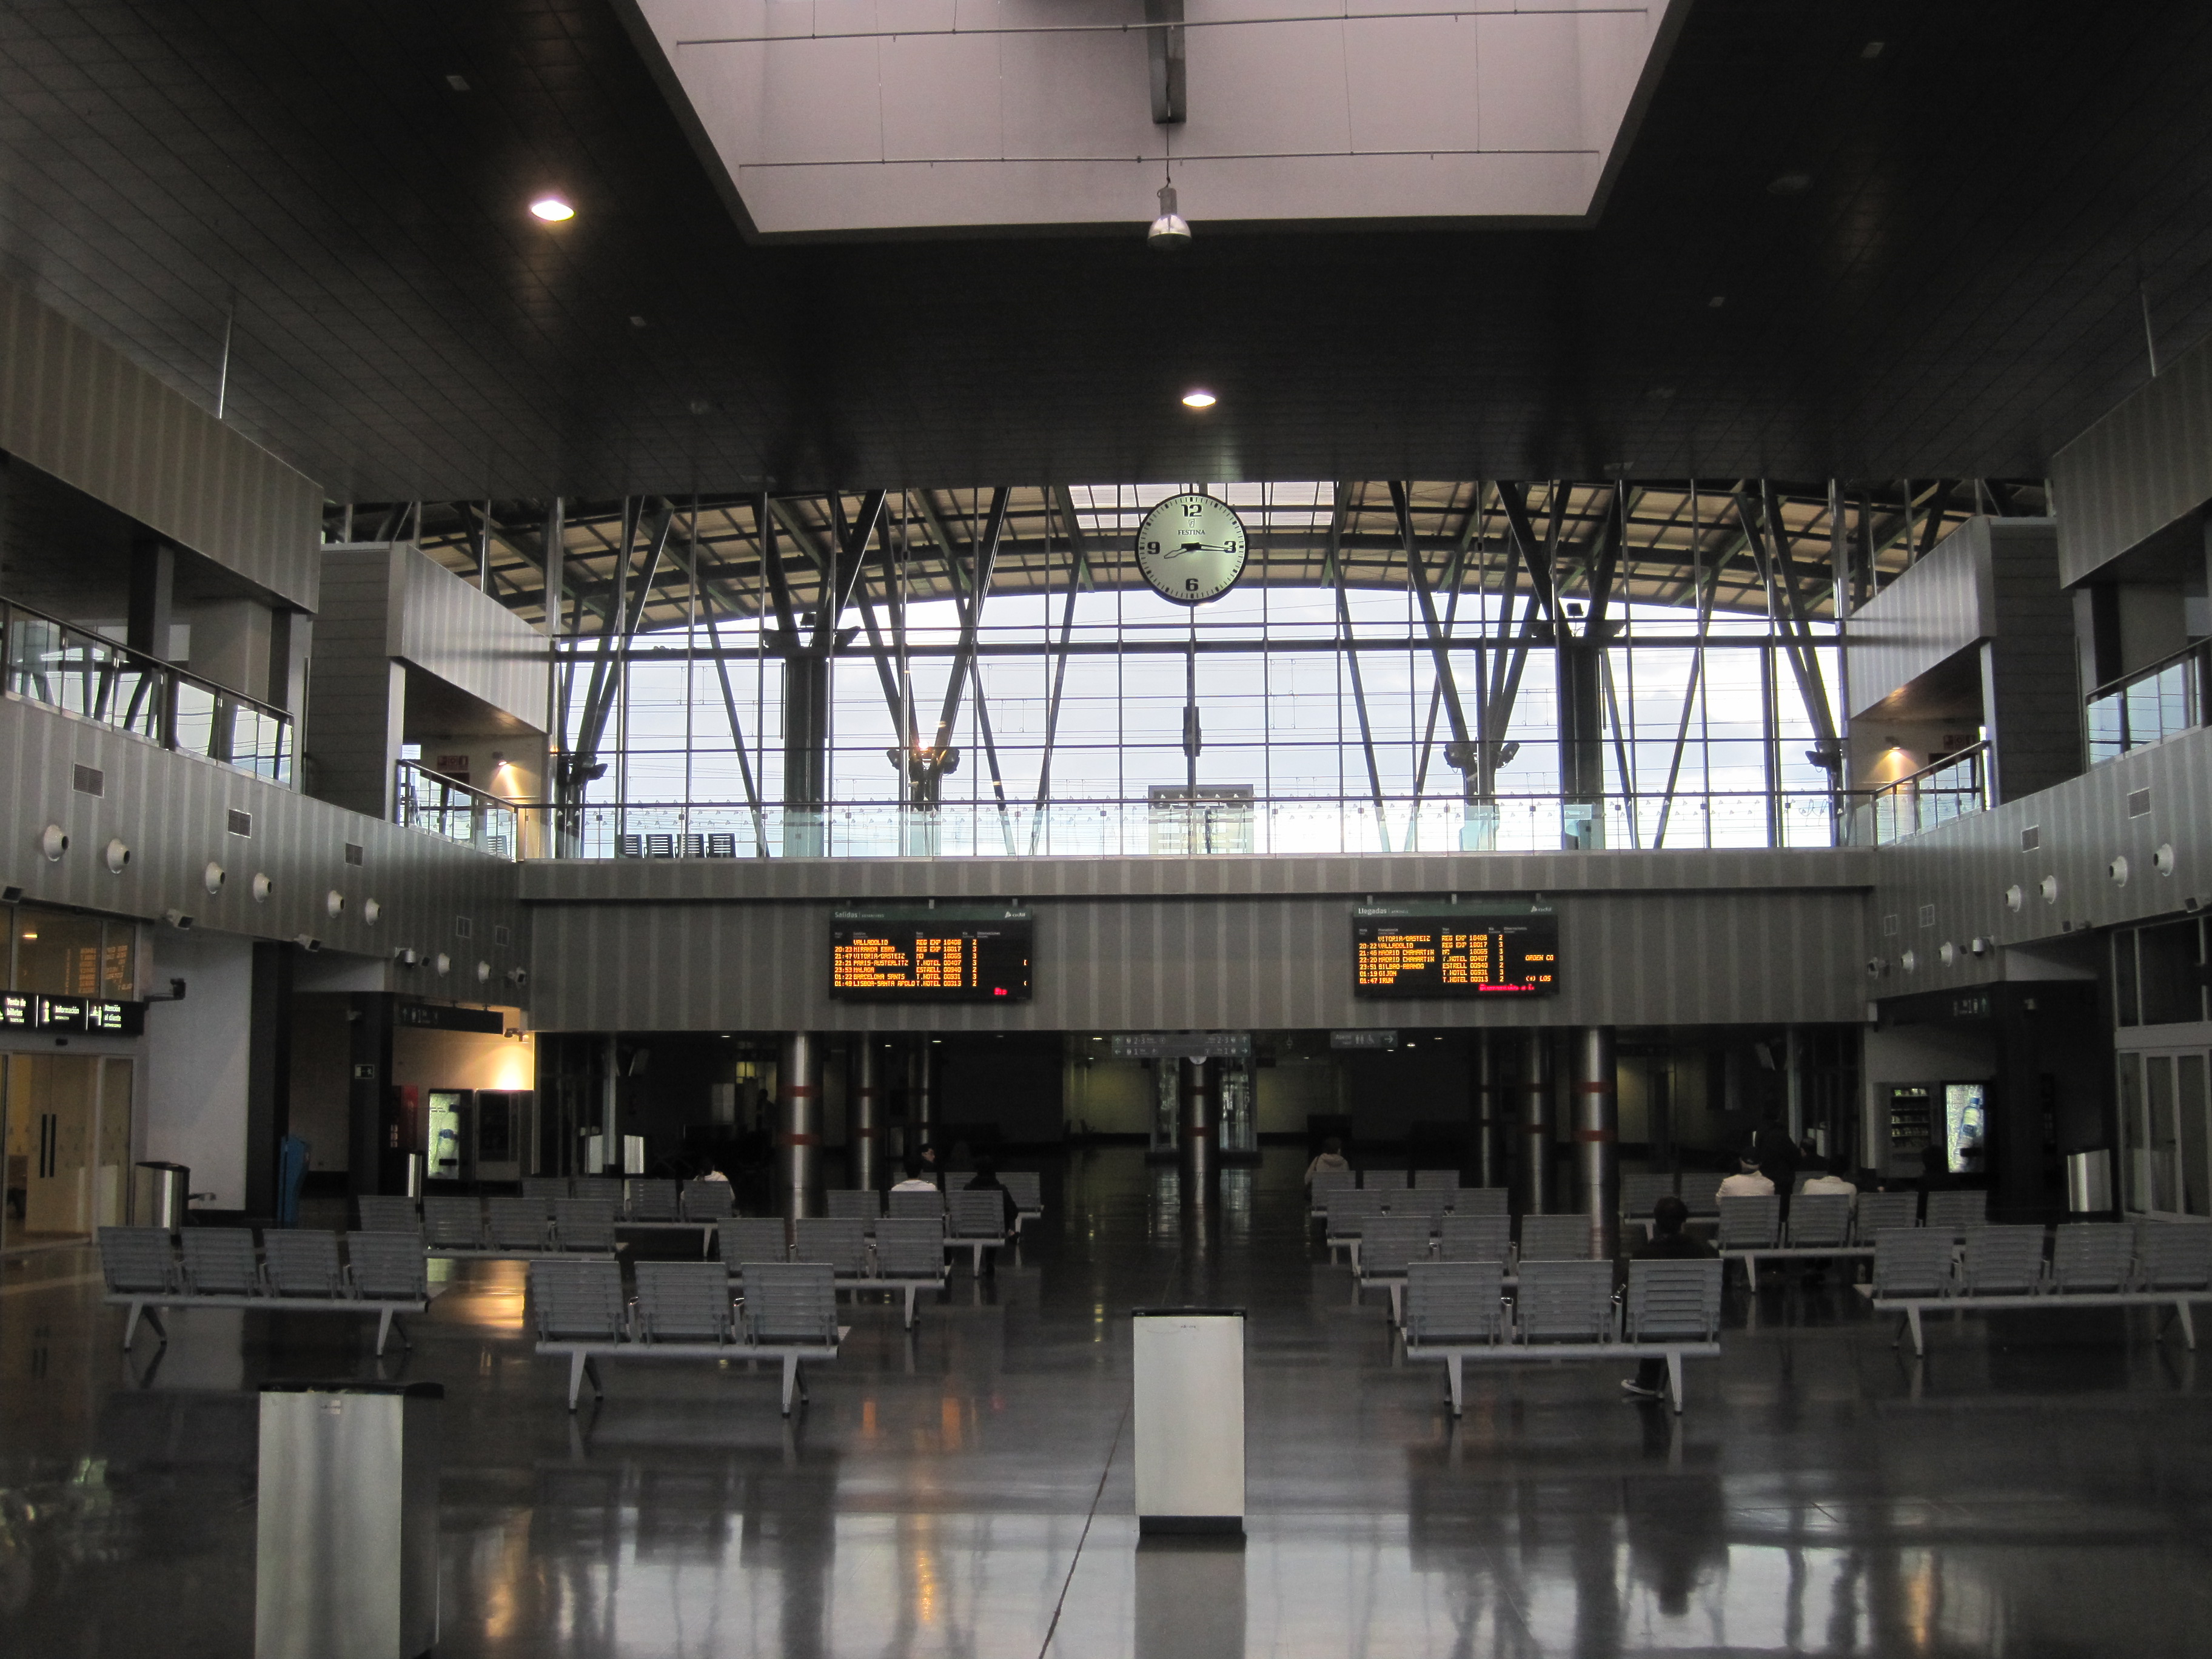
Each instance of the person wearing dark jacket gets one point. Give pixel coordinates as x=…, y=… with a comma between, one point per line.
x=1668, y=1242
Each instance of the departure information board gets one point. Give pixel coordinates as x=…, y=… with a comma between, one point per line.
x=955, y=953
x=1506, y=948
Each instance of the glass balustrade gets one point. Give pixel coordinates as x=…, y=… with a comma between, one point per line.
x=81, y=673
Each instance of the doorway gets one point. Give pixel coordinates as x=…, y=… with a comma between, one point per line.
x=65, y=1122
x=2165, y=1132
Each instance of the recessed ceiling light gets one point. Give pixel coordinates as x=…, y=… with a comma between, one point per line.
x=458, y=82
x=552, y=210
x=637, y=322
x=1195, y=399
x=1718, y=301
x=1872, y=50
x=1788, y=184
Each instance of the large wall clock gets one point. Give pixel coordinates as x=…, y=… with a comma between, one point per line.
x=1191, y=549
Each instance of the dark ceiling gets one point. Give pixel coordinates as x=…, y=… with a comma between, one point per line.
x=1954, y=291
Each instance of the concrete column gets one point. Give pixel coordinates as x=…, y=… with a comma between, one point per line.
x=1534, y=1088
x=868, y=1121
x=799, y=1123
x=1793, y=1077
x=153, y=596
x=1597, y=1137
x=805, y=754
x=610, y=1106
x=1197, y=1118
x=921, y=1095
x=1489, y=1148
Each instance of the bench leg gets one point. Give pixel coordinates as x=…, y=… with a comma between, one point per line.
x=790, y=1383
x=1397, y=1303
x=1912, y=1323
x=382, y=1330
x=1674, y=1378
x=1455, y=1380
x=130, y=1324
x=910, y=1290
x=2188, y=1325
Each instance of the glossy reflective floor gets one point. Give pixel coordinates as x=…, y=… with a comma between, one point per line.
x=2039, y=1486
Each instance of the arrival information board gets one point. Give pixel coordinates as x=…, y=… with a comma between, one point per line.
x=955, y=953
x=1507, y=948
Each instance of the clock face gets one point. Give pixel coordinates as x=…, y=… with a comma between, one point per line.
x=1191, y=549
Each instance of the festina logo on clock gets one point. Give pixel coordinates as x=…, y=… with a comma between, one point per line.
x=1191, y=549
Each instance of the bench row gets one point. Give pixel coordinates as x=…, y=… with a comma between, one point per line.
x=146, y=1268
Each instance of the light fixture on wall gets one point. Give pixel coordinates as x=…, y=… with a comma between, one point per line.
x=53, y=841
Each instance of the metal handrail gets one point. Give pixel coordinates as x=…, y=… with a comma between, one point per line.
x=2149, y=705
x=131, y=690
x=425, y=798
x=1912, y=781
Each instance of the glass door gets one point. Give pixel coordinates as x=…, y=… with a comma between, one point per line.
x=2165, y=1132
x=53, y=1115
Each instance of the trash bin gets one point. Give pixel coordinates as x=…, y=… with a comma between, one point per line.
x=633, y=1155
x=347, y=1558
x=1189, y=1420
x=2089, y=1181
x=160, y=1195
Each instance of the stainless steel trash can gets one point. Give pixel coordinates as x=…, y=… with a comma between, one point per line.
x=160, y=1195
x=633, y=1155
x=347, y=1556
x=2089, y=1181
x=414, y=1175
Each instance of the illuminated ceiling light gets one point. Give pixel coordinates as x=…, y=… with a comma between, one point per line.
x=1197, y=399
x=552, y=210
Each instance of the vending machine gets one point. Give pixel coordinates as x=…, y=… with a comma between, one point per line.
x=506, y=1134
x=449, y=1119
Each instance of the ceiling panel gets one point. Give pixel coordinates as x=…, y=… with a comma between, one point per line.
x=1933, y=260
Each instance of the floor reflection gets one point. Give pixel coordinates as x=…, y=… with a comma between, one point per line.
x=964, y=1489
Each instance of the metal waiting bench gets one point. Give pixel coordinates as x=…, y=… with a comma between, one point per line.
x=1820, y=1230
x=975, y=1221
x=1028, y=1188
x=1389, y=1247
x=1456, y=1312
x=907, y=1256
x=515, y=1228
x=685, y=1311
x=385, y=1274
x=2094, y=1264
x=1350, y=1210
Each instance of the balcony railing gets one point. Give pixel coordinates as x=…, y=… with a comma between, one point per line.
x=1125, y=828
x=52, y=662
x=2148, y=705
x=1947, y=789
x=425, y=800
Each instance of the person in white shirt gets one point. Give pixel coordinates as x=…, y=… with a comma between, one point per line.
x=1831, y=1180
x=1746, y=1182
x=914, y=1182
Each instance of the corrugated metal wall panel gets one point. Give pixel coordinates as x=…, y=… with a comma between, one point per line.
x=2142, y=467
x=78, y=409
x=1255, y=962
x=1959, y=873
x=1935, y=610
x=172, y=811
x=449, y=629
x=707, y=880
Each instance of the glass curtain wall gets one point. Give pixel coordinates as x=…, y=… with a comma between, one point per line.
x=1323, y=704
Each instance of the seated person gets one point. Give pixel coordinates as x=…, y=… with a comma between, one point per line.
x=1833, y=1179
x=709, y=1172
x=1668, y=1242
x=1747, y=1182
x=1331, y=1158
x=1935, y=1175
x=986, y=1179
x=914, y=1182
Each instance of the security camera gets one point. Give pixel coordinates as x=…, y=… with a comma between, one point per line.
x=406, y=955
x=518, y=976
x=11, y=893
x=307, y=942
x=177, y=920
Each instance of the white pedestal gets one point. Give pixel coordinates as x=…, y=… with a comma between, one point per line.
x=1189, y=1412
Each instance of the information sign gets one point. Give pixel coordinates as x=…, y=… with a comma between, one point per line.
x=965, y=953
x=1477, y=948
